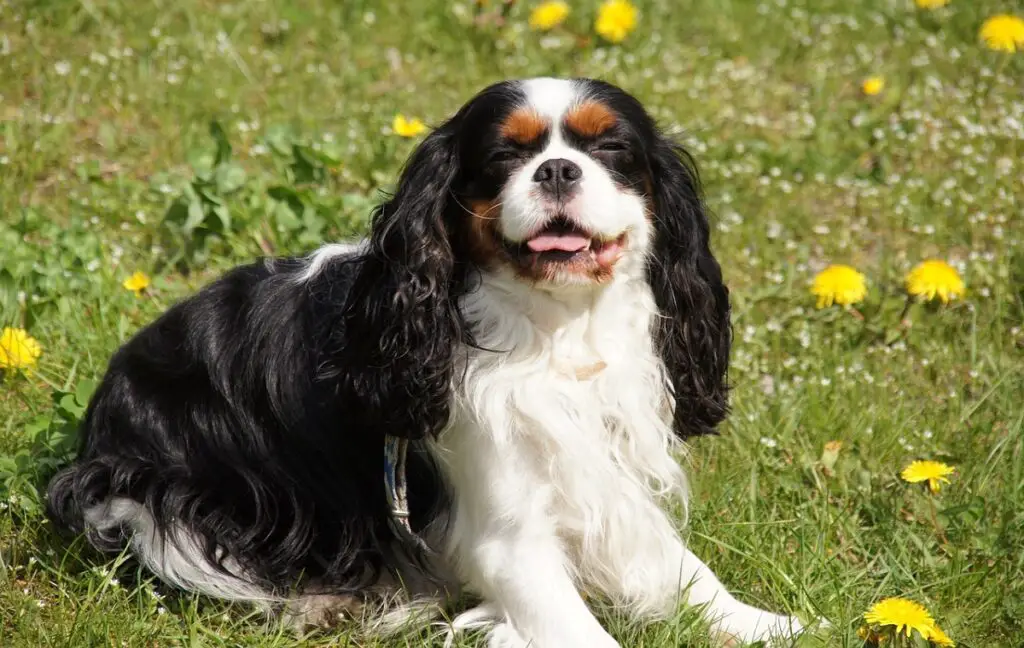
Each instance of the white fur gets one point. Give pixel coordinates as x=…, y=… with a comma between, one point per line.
x=551, y=97
x=316, y=261
x=599, y=205
x=560, y=451
x=558, y=480
x=176, y=556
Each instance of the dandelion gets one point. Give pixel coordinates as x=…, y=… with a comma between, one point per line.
x=939, y=638
x=548, y=15
x=839, y=284
x=903, y=615
x=872, y=86
x=136, y=283
x=1003, y=33
x=18, y=349
x=407, y=127
x=934, y=472
x=930, y=4
x=935, y=278
x=615, y=19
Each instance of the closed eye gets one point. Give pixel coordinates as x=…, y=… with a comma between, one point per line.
x=503, y=155
x=610, y=146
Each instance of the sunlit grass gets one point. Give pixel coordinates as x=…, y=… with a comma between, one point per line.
x=105, y=126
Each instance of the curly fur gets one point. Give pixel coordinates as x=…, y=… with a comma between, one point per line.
x=236, y=443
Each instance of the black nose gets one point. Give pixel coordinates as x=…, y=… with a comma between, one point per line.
x=558, y=176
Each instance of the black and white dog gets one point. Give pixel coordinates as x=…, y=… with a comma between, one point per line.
x=536, y=311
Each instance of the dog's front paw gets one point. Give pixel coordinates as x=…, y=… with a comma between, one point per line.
x=503, y=635
x=320, y=611
x=748, y=624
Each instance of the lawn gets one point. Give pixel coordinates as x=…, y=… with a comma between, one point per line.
x=180, y=138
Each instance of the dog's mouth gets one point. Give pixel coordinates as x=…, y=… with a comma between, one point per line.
x=561, y=241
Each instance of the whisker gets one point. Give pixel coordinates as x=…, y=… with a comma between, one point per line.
x=474, y=214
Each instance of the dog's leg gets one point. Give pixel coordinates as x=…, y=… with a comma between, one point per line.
x=524, y=574
x=506, y=545
x=730, y=619
x=652, y=572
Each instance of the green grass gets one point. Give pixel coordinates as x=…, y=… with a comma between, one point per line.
x=106, y=149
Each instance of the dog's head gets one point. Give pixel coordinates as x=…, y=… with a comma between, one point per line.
x=563, y=184
x=555, y=180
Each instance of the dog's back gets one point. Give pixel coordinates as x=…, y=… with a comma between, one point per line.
x=215, y=446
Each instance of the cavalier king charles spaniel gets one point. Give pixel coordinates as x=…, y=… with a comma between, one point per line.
x=535, y=316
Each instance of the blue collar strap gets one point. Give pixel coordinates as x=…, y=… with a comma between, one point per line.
x=395, y=450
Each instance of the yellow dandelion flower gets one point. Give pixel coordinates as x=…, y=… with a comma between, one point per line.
x=934, y=472
x=1003, y=33
x=902, y=614
x=18, y=349
x=939, y=638
x=839, y=284
x=933, y=278
x=548, y=15
x=615, y=20
x=872, y=86
x=407, y=127
x=136, y=283
x=930, y=4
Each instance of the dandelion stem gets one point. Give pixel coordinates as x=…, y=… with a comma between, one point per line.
x=903, y=313
x=935, y=521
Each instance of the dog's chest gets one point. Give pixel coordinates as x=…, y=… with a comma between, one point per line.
x=578, y=405
x=579, y=416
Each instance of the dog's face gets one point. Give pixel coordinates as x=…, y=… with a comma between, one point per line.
x=555, y=180
x=565, y=185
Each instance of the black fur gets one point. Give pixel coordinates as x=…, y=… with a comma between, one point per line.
x=254, y=413
x=695, y=334
x=224, y=415
x=403, y=305
x=403, y=308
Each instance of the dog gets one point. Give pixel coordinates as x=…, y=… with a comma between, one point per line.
x=535, y=319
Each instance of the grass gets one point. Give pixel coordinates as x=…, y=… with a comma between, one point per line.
x=109, y=165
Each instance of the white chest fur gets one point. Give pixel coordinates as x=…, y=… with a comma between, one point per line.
x=559, y=453
x=562, y=418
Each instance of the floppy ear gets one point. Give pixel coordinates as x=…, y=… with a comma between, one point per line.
x=693, y=333
x=402, y=322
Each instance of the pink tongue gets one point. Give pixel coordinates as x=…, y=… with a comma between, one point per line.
x=563, y=242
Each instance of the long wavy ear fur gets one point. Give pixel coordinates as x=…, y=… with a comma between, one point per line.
x=693, y=333
x=402, y=322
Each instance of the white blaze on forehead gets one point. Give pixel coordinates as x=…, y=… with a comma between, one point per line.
x=551, y=98
x=599, y=205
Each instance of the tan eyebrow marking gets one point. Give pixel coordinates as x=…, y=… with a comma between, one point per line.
x=524, y=126
x=590, y=119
